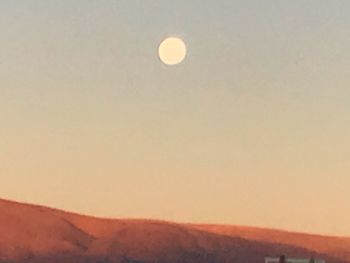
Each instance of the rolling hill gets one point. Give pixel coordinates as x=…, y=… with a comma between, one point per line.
x=36, y=234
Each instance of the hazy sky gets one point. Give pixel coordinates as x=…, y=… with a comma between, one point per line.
x=252, y=129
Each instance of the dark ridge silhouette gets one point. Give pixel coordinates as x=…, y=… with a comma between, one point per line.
x=36, y=234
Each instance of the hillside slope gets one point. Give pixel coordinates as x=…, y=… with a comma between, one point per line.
x=38, y=234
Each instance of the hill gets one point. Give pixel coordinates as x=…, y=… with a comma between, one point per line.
x=37, y=234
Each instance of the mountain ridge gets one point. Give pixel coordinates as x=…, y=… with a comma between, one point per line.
x=38, y=234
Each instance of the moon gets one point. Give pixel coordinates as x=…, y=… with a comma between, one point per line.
x=172, y=51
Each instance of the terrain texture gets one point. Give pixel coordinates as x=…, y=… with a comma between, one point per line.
x=37, y=234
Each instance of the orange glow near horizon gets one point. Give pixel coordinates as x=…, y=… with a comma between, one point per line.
x=252, y=128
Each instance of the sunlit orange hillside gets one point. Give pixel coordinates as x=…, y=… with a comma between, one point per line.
x=31, y=233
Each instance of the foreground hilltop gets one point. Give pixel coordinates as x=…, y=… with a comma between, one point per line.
x=38, y=234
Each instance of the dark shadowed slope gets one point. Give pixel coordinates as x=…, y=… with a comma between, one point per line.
x=37, y=234
x=336, y=246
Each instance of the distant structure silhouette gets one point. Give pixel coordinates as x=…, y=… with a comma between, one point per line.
x=282, y=259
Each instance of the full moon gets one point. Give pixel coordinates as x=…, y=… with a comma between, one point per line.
x=172, y=51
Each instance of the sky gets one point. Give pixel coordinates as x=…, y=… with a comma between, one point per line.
x=251, y=129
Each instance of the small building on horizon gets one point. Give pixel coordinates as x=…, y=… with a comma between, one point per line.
x=284, y=259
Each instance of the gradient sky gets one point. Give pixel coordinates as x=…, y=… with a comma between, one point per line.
x=252, y=129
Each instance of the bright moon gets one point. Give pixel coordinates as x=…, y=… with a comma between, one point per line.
x=172, y=51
